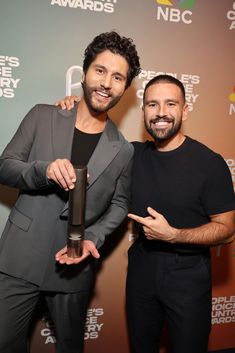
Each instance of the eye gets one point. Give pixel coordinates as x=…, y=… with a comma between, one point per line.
x=117, y=78
x=99, y=70
x=152, y=105
x=171, y=104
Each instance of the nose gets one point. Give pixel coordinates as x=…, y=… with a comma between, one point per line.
x=106, y=81
x=162, y=110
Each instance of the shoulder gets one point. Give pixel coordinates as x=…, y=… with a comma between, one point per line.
x=48, y=108
x=140, y=147
x=114, y=134
x=202, y=150
x=45, y=113
x=42, y=109
x=210, y=159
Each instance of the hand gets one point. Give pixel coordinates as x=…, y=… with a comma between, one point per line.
x=88, y=248
x=155, y=226
x=62, y=172
x=67, y=102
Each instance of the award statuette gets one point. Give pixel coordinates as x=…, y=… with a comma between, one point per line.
x=77, y=199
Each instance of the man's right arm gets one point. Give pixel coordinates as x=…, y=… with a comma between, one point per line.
x=18, y=171
x=67, y=102
x=15, y=169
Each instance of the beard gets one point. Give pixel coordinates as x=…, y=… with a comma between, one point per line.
x=162, y=135
x=97, y=107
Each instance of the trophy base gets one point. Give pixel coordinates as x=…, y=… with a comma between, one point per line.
x=74, y=248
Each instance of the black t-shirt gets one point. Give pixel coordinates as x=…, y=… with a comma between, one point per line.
x=83, y=146
x=186, y=185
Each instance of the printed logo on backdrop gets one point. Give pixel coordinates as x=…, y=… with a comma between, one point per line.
x=175, y=11
x=190, y=82
x=89, y=5
x=223, y=310
x=94, y=323
x=231, y=17
x=232, y=102
x=231, y=164
x=8, y=79
x=72, y=74
x=93, y=326
x=48, y=332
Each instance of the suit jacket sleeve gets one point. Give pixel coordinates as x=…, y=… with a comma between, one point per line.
x=16, y=169
x=118, y=209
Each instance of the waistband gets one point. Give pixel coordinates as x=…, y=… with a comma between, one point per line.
x=166, y=248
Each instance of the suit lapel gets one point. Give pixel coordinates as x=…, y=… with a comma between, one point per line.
x=107, y=148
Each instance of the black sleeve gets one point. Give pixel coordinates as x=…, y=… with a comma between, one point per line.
x=218, y=194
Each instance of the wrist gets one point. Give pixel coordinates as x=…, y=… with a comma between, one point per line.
x=175, y=235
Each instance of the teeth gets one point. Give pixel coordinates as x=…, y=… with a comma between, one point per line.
x=103, y=94
x=161, y=123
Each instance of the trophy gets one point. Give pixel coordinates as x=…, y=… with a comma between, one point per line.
x=77, y=198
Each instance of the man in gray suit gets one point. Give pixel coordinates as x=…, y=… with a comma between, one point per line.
x=39, y=162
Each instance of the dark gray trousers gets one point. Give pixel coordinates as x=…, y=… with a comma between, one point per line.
x=18, y=300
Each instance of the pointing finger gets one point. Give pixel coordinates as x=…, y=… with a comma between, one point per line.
x=152, y=212
x=137, y=218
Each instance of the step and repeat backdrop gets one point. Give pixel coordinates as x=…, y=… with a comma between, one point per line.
x=41, y=54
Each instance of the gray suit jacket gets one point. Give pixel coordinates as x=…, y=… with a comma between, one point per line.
x=37, y=224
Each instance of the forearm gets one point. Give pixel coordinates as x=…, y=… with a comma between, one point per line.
x=23, y=175
x=219, y=230
x=105, y=225
x=116, y=211
x=213, y=233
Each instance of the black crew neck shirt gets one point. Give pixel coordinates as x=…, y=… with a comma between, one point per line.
x=186, y=185
x=83, y=146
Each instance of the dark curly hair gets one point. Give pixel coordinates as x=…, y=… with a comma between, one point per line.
x=117, y=45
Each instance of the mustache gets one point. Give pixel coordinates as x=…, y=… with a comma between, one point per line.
x=96, y=88
x=162, y=119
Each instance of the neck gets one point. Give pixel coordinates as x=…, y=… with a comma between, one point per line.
x=170, y=144
x=89, y=122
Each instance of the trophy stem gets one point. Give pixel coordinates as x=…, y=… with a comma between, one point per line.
x=77, y=198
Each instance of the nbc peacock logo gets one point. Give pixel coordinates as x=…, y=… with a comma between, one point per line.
x=183, y=4
x=175, y=10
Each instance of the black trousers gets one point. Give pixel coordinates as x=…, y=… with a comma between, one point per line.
x=166, y=287
x=18, y=300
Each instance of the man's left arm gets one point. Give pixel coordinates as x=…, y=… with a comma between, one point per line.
x=117, y=211
x=220, y=230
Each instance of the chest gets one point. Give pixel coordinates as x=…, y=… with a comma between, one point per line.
x=167, y=183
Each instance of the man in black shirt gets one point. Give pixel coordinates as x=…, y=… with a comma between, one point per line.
x=39, y=161
x=182, y=203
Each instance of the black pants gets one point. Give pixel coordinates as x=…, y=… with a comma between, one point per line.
x=168, y=287
x=18, y=300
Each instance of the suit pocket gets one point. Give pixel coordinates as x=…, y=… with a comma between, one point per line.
x=19, y=219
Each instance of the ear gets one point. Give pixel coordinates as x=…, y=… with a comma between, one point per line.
x=185, y=112
x=142, y=111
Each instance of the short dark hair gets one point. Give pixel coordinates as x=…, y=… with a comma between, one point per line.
x=164, y=78
x=117, y=45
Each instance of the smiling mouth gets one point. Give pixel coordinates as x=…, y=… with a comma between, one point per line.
x=102, y=94
x=161, y=123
